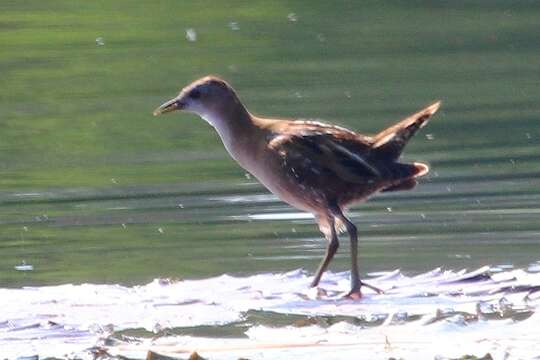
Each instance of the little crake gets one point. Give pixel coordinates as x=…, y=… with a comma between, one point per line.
x=319, y=168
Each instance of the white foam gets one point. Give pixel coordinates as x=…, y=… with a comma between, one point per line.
x=415, y=314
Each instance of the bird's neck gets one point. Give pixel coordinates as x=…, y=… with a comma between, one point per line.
x=237, y=129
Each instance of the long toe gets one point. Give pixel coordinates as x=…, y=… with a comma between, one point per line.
x=376, y=289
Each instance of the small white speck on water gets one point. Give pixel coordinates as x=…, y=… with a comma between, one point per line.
x=191, y=35
x=124, y=226
x=248, y=176
x=528, y=135
x=293, y=230
x=25, y=228
x=449, y=189
x=24, y=266
x=430, y=136
x=512, y=161
x=321, y=37
x=292, y=17
x=347, y=94
x=233, y=68
x=181, y=206
x=298, y=94
x=423, y=216
x=160, y=230
x=233, y=25
x=389, y=209
x=100, y=41
x=114, y=181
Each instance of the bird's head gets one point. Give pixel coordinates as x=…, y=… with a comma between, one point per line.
x=207, y=97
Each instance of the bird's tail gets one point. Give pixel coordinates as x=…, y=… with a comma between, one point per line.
x=405, y=175
x=390, y=142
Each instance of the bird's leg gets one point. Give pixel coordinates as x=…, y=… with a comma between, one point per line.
x=356, y=283
x=355, y=277
x=331, y=249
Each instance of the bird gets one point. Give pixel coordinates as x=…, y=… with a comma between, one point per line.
x=315, y=167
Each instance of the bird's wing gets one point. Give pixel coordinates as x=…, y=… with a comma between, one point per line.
x=312, y=149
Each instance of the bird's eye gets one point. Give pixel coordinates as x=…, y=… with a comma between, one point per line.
x=195, y=94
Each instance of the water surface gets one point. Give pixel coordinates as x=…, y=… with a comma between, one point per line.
x=93, y=188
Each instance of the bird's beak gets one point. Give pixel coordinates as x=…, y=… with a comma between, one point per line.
x=171, y=105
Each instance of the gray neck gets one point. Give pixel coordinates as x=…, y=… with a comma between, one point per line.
x=235, y=128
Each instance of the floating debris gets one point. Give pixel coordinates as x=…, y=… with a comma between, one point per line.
x=321, y=37
x=191, y=35
x=24, y=267
x=160, y=230
x=430, y=136
x=27, y=194
x=292, y=17
x=461, y=256
x=233, y=25
x=43, y=217
x=100, y=41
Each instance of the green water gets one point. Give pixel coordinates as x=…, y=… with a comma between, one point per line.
x=93, y=188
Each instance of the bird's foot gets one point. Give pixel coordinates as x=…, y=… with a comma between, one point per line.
x=356, y=294
x=353, y=295
x=376, y=289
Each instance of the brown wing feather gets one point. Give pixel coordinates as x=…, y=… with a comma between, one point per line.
x=311, y=149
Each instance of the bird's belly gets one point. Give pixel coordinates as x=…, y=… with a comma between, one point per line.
x=288, y=189
x=303, y=189
x=293, y=195
x=310, y=193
